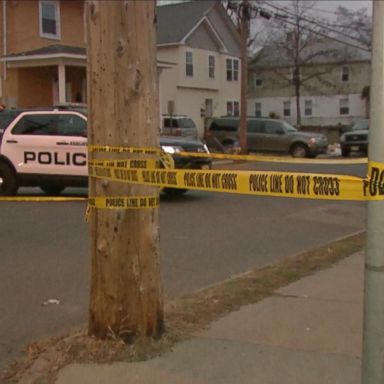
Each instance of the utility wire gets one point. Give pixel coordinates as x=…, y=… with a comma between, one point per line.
x=314, y=22
x=311, y=21
x=323, y=35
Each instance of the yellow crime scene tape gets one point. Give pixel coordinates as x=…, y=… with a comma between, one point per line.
x=272, y=159
x=124, y=202
x=118, y=149
x=261, y=183
x=41, y=198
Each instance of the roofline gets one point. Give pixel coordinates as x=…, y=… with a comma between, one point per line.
x=229, y=22
x=168, y=44
x=44, y=56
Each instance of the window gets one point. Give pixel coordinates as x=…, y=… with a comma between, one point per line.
x=345, y=74
x=188, y=64
x=233, y=108
x=344, y=106
x=287, y=108
x=255, y=126
x=35, y=125
x=71, y=125
x=258, y=82
x=308, y=107
x=51, y=125
x=49, y=19
x=211, y=66
x=258, y=109
x=235, y=70
x=273, y=127
x=232, y=69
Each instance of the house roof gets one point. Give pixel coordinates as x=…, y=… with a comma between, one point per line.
x=326, y=51
x=56, y=49
x=175, y=21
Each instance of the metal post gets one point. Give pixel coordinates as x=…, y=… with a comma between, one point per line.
x=373, y=334
x=61, y=83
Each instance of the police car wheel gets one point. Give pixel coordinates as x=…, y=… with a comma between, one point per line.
x=8, y=181
x=52, y=190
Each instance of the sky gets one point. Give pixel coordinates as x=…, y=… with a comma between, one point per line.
x=331, y=5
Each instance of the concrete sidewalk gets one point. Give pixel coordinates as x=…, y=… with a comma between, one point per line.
x=309, y=332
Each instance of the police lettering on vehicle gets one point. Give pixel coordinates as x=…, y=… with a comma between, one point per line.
x=55, y=158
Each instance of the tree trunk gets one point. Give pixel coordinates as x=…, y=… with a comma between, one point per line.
x=297, y=94
x=126, y=295
x=244, y=27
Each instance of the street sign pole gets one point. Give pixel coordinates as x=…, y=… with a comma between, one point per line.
x=373, y=333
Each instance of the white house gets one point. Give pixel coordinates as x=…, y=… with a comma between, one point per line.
x=204, y=45
x=331, y=94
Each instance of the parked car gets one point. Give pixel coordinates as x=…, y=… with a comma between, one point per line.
x=178, y=125
x=269, y=135
x=48, y=149
x=355, y=140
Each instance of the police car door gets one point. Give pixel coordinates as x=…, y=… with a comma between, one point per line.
x=72, y=131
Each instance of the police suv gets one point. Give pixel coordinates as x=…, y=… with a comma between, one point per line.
x=48, y=149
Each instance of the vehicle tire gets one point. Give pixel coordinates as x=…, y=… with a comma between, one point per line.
x=299, y=150
x=8, y=180
x=52, y=189
x=345, y=152
x=174, y=191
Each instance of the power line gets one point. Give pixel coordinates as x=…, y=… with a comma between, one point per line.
x=313, y=22
x=326, y=36
x=321, y=26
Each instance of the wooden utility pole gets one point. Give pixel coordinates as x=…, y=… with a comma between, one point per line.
x=126, y=294
x=244, y=17
x=373, y=329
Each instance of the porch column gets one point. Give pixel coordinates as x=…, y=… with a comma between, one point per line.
x=61, y=75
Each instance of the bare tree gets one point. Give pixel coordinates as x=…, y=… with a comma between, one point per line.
x=355, y=24
x=299, y=40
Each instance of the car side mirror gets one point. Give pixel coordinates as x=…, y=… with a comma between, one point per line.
x=280, y=132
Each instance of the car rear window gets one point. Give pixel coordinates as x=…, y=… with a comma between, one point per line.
x=183, y=122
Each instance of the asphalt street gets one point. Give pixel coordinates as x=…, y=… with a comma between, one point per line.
x=205, y=238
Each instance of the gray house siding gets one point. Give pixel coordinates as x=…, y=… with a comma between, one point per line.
x=202, y=38
x=275, y=80
x=222, y=27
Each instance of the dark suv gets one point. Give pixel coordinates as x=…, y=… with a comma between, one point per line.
x=269, y=135
x=355, y=140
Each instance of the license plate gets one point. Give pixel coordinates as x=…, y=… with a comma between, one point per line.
x=205, y=166
x=354, y=148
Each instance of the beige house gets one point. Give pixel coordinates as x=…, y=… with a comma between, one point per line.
x=43, y=52
x=204, y=44
x=331, y=94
